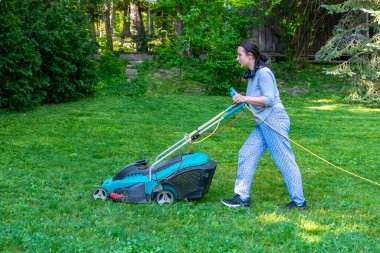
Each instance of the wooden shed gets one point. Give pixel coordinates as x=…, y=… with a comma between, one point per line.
x=270, y=42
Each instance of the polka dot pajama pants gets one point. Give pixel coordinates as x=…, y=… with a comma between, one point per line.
x=262, y=138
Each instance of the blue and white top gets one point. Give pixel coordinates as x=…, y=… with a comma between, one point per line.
x=264, y=84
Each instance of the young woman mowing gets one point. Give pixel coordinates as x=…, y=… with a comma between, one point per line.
x=263, y=98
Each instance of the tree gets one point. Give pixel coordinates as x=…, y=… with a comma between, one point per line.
x=357, y=36
x=211, y=28
x=93, y=10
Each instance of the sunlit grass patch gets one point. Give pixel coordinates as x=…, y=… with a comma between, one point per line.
x=324, y=107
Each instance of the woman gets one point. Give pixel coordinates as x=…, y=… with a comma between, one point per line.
x=263, y=98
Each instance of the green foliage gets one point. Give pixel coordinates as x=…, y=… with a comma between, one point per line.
x=225, y=23
x=138, y=86
x=168, y=56
x=46, y=53
x=113, y=79
x=223, y=26
x=110, y=65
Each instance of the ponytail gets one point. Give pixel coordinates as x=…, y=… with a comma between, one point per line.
x=260, y=59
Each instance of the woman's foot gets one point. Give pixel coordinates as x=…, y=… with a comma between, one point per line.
x=293, y=205
x=236, y=201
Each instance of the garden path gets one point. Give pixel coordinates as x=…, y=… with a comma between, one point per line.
x=134, y=60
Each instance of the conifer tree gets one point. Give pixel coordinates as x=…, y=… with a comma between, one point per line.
x=356, y=37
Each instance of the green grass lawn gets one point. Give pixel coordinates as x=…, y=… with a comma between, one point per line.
x=52, y=158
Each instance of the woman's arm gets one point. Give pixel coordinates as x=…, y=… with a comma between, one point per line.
x=239, y=98
x=267, y=86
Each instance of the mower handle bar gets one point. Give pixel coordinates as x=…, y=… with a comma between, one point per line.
x=229, y=109
x=195, y=134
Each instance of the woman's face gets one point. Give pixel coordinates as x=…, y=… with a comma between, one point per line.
x=244, y=59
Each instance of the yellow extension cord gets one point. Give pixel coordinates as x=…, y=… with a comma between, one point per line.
x=294, y=142
x=208, y=136
x=310, y=152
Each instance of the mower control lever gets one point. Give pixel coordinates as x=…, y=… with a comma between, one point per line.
x=232, y=92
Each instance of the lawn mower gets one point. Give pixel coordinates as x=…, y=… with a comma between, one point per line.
x=184, y=176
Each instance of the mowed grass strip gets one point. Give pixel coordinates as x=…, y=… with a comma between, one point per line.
x=52, y=158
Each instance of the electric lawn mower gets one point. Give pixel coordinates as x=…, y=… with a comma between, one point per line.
x=184, y=176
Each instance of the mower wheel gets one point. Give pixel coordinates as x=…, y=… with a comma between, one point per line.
x=165, y=197
x=100, y=193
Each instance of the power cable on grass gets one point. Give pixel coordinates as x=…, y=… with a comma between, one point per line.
x=312, y=153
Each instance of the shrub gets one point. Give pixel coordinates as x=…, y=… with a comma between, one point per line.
x=110, y=65
x=46, y=54
x=112, y=75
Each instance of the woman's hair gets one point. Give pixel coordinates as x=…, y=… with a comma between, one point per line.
x=251, y=47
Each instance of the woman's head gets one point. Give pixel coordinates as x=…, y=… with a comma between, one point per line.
x=249, y=55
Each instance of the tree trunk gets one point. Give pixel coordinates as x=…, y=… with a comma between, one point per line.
x=164, y=24
x=126, y=19
x=150, y=20
x=107, y=19
x=112, y=13
x=138, y=28
x=179, y=23
x=92, y=24
x=133, y=16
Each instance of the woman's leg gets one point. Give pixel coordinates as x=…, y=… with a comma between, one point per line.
x=249, y=156
x=282, y=154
